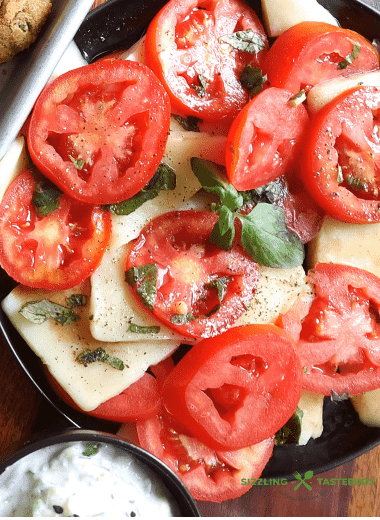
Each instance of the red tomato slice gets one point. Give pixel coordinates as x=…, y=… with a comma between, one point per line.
x=139, y=401
x=339, y=336
x=99, y=132
x=199, y=71
x=311, y=52
x=264, y=139
x=186, y=281
x=341, y=167
x=57, y=251
x=209, y=475
x=237, y=389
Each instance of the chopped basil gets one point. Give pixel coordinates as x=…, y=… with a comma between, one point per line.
x=336, y=398
x=40, y=311
x=356, y=184
x=272, y=192
x=91, y=449
x=290, y=433
x=144, y=279
x=350, y=57
x=91, y=356
x=267, y=240
x=180, y=319
x=265, y=236
x=78, y=163
x=164, y=179
x=139, y=329
x=189, y=123
x=220, y=284
x=45, y=198
x=76, y=300
x=247, y=41
x=202, y=87
x=297, y=99
x=252, y=79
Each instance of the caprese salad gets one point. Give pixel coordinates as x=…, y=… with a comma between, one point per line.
x=168, y=200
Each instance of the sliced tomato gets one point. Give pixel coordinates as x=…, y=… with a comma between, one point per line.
x=264, y=139
x=185, y=280
x=311, y=52
x=57, y=251
x=201, y=72
x=139, y=401
x=99, y=131
x=237, y=389
x=341, y=165
x=339, y=336
x=209, y=475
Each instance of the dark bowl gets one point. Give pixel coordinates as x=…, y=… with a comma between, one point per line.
x=118, y=24
x=178, y=491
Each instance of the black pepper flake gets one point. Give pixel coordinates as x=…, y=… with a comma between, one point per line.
x=58, y=509
x=133, y=513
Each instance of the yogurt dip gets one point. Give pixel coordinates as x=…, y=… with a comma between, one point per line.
x=83, y=479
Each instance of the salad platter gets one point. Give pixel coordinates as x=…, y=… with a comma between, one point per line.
x=344, y=436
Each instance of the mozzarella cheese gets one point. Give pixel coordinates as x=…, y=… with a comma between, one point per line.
x=58, y=346
x=352, y=244
x=280, y=15
x=367, y=405
x=311, y=405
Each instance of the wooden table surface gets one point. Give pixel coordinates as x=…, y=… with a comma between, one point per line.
x=23, y=412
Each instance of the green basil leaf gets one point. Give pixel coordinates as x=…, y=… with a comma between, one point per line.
x=247, y=41
x=78, y=163
x=92, y=356
x=76, y=300
x=144, y=279
x=290, y=433
x=252, y=79
x=223, y=232
x=164, y=179
x=181, y=319
x=350, y=57
x=272, y=192
x=220, y=284
x=267, y=240
x=45, y=198
x=202, y=87
x=140, y=329
x=213, y=179
x=40, y=311
x=91, y=449
x=189, y=123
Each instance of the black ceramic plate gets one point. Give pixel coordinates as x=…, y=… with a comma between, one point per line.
x=118, y=24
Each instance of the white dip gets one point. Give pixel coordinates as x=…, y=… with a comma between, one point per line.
x=67, y=480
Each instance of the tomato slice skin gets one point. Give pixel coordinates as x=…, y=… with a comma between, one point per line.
x=210, y=475
x=99, y=132
x=188, y=266
x=341, y=159
x=310, y=52
x=237, y=389
x=264, y=139
x=139, y=401
x=58, y=251
x=182, y=44
x=338, y=339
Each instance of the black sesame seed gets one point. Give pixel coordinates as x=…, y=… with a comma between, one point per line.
x=58, y=509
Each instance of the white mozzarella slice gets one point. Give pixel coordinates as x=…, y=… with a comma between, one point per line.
x=277, y=290
x=14, y=162
x=280, y=15
x=326, y=91
x=136, y=52
x=58, y=347
x=352, y=244
x=367, y=406
x=311, y=405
